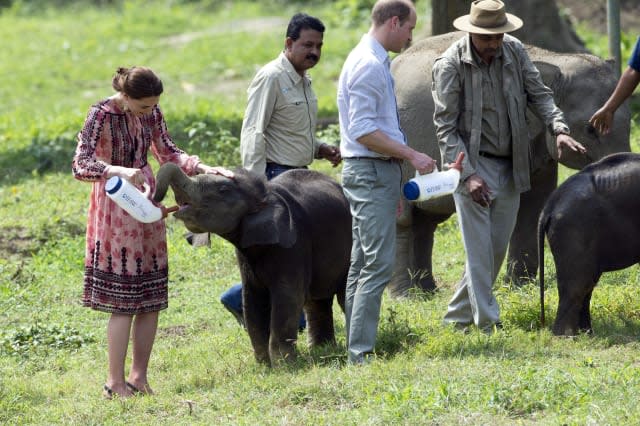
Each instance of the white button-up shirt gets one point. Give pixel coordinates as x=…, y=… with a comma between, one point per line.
x=366, y=99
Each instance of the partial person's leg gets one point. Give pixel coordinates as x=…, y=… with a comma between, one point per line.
x=350, y=181
x=232, y=300
x=144, y=334
x=376, y=212
x=486, y=233
x=475, y=293
x=118, y=330
x=459, y=309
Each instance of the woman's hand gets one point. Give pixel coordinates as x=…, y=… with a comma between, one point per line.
x=134, y=176
x=204, y=169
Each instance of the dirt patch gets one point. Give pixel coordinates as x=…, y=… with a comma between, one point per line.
x=595, y=14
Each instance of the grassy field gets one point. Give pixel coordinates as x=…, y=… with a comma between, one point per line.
x=53, y=352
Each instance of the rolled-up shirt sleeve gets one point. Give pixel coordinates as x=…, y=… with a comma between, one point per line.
x=366, y=94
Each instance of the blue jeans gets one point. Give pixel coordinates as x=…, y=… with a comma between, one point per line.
x=232, y=300
x=274, y=169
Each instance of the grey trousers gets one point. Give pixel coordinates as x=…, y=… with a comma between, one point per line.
x=485, y=234
x=372, y=188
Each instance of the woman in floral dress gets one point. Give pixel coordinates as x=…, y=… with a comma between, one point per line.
x=126, y=266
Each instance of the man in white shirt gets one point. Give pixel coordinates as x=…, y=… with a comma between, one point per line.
x=372, y=145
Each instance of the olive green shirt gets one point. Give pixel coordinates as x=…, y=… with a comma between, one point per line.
x=496, y=130
x=280, y=119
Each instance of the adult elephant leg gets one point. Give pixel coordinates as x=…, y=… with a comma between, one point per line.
x=319, y=315
x=424, y=229
x=414, y=250
x=257, y=311
x=522, y=262
x=401, y=281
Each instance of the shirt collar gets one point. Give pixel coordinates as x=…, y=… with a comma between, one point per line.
x=378, y=50
x=291, y=71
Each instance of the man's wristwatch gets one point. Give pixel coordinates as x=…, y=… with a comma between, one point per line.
x=561, y=131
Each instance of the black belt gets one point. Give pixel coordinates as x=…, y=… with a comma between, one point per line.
x=495, y=157
x=284, y=166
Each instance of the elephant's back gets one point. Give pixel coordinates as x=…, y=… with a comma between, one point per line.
x=315, y=192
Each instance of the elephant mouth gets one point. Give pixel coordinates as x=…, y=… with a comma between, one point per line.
x=183, y=210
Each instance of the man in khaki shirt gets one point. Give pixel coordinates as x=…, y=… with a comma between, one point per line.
x=278, y=130
x=482, y=86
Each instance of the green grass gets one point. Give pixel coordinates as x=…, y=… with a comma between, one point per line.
x=53, y=351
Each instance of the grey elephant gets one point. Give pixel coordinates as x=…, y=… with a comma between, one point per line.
x=592, y=225
x=293, y=243
x=581, y=84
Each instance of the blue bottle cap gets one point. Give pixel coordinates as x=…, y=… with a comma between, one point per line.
x=113, y=184
x=411, y=191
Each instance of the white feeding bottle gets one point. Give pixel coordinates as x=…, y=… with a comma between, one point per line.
x=134, y=202
x=435, y=184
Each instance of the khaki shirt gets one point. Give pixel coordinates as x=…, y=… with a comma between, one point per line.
x=280, y=119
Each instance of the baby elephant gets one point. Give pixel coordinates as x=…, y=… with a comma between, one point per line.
x=592, y=223
x=293, y=243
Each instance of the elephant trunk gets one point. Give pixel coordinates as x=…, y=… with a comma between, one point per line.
x=169, y=174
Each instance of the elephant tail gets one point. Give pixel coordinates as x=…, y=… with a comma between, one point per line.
x=543, y=222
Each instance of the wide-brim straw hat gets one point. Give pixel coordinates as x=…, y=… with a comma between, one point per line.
x=488, y=17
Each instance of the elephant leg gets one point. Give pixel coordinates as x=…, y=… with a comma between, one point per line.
x=574, y=294
x=522, y=262
x=584, y=324
x=424, y=229
x=414, y=250
x=320, y=321
x=400, y=280
x=569, y=305
x=286, y=307
x=257, y=310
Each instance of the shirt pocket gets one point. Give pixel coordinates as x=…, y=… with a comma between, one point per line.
x=297, y=109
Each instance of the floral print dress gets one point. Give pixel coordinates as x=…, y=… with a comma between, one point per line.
x=126, y=264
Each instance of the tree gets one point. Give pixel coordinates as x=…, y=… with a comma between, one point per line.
x=543, y=24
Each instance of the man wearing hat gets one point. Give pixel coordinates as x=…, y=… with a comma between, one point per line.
x=482, y=86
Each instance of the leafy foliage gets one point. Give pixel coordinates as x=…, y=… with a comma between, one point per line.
x=38, y=339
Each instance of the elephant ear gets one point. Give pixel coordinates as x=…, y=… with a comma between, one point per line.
x=272, y=224
x=551, y=76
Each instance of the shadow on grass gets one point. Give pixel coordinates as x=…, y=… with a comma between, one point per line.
x=41, y=156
